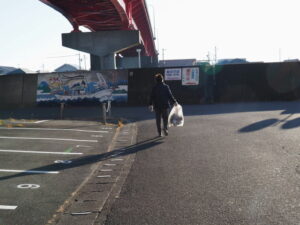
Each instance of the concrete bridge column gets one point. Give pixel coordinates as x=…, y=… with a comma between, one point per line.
x=102, y=45
x=132, y=62
x=108, y=61
x=103, y=62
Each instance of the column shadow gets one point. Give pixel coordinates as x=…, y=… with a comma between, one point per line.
x=77, y=162
x=259, y=125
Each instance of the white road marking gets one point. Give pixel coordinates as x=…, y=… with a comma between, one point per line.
x=41, y=121
x=28, y=171
x=106, y=170
x=40, y=152
x=83, y=146
x=116, y=159
x=109, y=164
x=53, y=129
x=97, y=135
x=63, y=161
x=8, y=207
x=81, y=213
x=103, y=176
x=50, y=139
x=28, y=186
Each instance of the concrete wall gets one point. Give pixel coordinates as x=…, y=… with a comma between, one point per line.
x=257, y=82
x=29, y=89
x=229, y=83
x=225, y=83
x=17, y=90
x=141, y=81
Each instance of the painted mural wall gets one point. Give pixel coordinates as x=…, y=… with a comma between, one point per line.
x=83, y=86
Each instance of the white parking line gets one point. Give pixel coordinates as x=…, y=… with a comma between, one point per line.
x=116, y=160
x=95, y=135
x=40, y=152
x=29, y=171
x=50, y=139
x=81, y=213
x=52, y=129
x=83, y=146
x=106, y=170
x=41, y=121
x=8, y=207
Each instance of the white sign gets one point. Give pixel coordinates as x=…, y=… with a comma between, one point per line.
x=63, y=161
x=173, y=74
x=28, y=186
x=190, y=76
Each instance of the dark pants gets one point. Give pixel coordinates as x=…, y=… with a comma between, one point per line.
x=161, y=113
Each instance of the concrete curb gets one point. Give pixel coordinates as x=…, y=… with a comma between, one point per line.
x=91, y=201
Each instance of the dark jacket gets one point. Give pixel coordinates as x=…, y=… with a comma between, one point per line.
x=161, y=96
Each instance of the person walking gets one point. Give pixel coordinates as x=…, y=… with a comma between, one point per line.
x=160, y=99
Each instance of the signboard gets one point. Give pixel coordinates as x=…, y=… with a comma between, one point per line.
x=76, y=87
x=190, y=76
x=173, y=74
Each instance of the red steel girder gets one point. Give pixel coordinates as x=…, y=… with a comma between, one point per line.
x=104, y=15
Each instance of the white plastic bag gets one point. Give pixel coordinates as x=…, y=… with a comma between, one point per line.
x=176, y=118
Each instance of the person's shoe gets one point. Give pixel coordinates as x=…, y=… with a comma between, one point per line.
x=166, y=133
x=160, y=134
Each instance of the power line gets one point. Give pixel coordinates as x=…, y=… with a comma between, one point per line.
x=63, y=56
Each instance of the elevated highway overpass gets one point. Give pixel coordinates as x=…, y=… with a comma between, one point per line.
x=118, y=29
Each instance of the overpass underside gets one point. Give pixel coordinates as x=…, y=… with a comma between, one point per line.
x=118, y=29
x=106, y=47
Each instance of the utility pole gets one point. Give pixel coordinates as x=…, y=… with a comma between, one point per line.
x=215, y=55
x=208, y=57
x=84, y=57
x=279, y=54
x=79, y=61
x=163, y=55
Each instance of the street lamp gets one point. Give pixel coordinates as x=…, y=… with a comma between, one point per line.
x=139, y=56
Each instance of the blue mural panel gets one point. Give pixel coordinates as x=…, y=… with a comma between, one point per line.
x=81, y=87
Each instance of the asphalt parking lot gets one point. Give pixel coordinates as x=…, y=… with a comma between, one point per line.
x=44, y=163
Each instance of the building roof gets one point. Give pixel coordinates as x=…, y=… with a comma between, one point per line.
x=20, y=71
x=6, y=69
x=177, y=62
x=66, y=68
x=231, y=61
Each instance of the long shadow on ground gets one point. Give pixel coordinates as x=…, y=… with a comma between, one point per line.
x=142, y=112
x=77, y=162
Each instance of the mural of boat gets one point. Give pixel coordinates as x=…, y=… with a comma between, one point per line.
x=74, y=88
x=103, y=95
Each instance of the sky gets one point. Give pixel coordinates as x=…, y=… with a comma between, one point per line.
x=257, y=30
